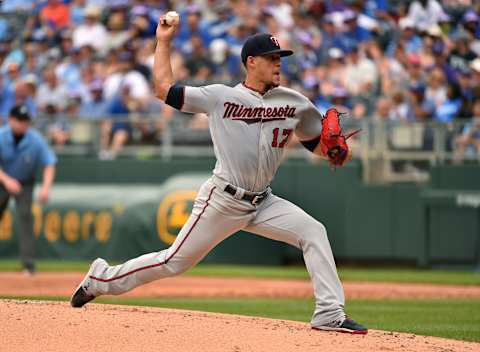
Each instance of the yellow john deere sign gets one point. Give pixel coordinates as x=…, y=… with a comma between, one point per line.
x=172, y=213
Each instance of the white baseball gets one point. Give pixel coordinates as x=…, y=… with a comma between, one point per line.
x=172, y=17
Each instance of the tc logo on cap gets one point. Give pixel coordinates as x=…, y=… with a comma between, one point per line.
x=275, y=41
x=262, y=44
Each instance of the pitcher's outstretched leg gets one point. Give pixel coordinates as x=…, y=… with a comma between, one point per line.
x=204, y=229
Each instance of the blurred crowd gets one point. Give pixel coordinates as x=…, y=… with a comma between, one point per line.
x=389, y=60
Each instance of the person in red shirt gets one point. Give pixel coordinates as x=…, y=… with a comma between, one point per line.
x=56, y=13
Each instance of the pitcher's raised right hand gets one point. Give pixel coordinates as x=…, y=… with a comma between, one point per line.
x=165, y=32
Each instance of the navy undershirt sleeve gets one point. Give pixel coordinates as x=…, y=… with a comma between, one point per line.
x=176, y=96
x=311, y=144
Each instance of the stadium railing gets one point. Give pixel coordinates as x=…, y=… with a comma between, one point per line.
x=390, y=151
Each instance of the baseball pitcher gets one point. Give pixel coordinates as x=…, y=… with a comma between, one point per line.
x=250, y=124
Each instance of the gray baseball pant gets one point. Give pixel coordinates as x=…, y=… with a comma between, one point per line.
x=23, y=203
x=215, y=216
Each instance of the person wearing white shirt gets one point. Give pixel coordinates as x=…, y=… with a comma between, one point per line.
x=425, y=13
x=361, y=73
x=126, y=76
x=92, y=32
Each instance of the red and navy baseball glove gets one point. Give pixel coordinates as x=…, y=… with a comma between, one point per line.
x=333, y=142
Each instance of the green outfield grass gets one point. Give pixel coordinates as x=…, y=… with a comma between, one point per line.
x=456, y=319
x=288, y=272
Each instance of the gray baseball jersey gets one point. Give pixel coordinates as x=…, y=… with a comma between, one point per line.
x=250, y=132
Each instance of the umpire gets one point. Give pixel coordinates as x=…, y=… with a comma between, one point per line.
x=22, y=152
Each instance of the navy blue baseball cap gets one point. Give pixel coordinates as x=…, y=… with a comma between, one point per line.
x=20, y=112
x=262, y=44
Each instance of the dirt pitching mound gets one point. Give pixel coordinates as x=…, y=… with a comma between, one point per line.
x=55, y=326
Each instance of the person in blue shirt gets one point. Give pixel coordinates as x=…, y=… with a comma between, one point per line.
x=97, y=107
x=450, y=108
x=22, y=152
x=354, y=35
x=407, y=39
x=470, y=23
x=194, y=25
x=468, y=142
x=18, y=5
x=117, y=130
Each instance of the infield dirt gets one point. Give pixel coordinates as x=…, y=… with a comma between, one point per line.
x=54, y=326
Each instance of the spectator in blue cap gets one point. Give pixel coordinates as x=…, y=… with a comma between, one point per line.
x=24, y=151
x=470, y=23
x=420, y=108
x=96, y=108
x=440, y=61
x=359, y=34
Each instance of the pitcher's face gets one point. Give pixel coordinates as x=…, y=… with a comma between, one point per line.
x=266, y=69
